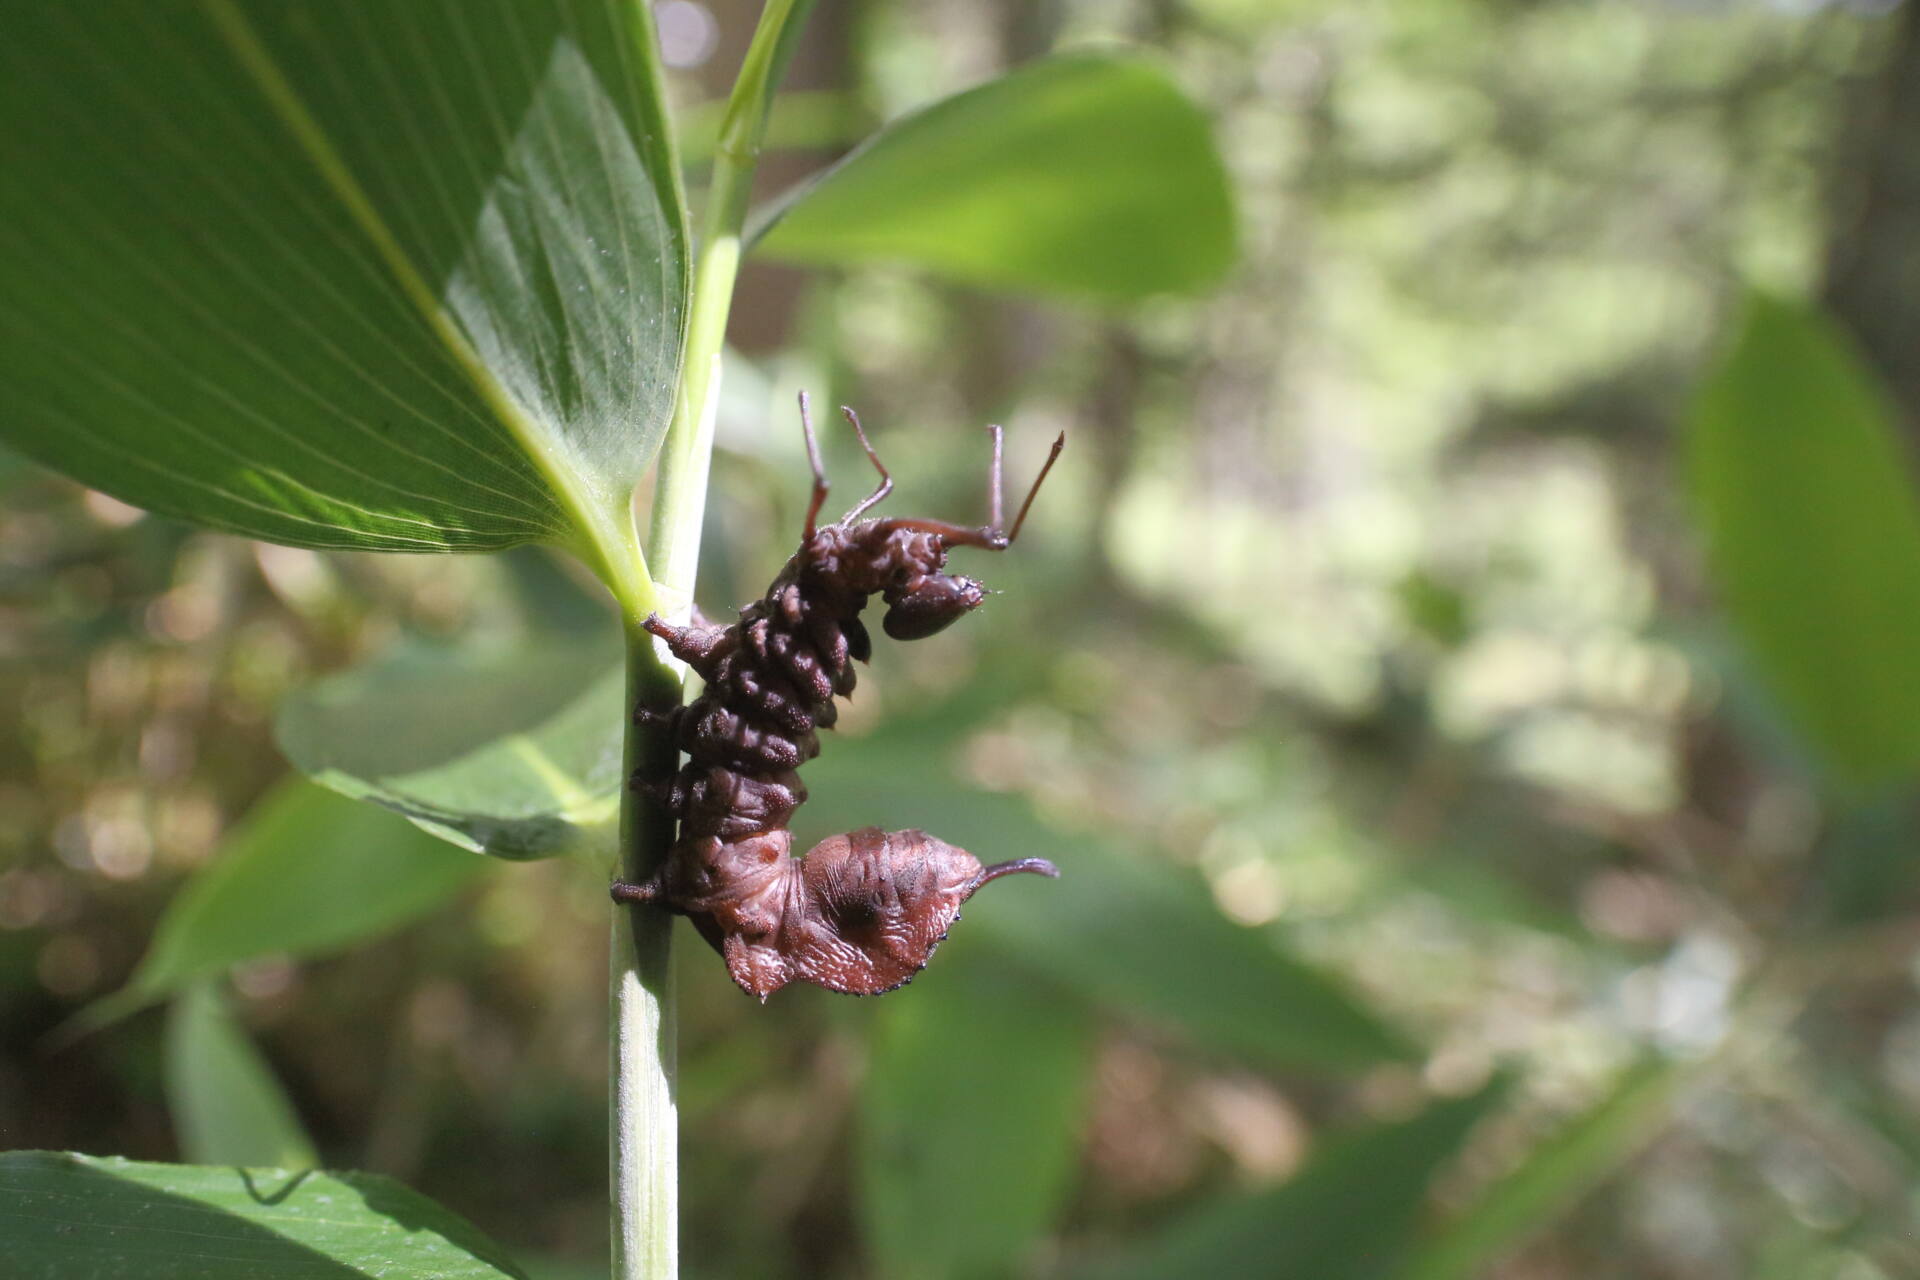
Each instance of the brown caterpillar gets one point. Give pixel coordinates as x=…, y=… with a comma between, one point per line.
x=861, y=912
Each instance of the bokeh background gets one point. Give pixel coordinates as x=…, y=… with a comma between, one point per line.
x=1506, y=923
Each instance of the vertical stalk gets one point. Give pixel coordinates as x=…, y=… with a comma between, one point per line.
x=643, y=1117
x=673, y=543
x=644, y=1120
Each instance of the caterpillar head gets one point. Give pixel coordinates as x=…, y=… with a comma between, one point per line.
x=934, y=602
x=862, y=912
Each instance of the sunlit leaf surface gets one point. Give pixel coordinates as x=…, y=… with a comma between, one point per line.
x=356, y=274
x=1087, y=175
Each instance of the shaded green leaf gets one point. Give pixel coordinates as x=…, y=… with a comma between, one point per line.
x=65, y=1215
x=542, y=597
x=226, y=1105
x=512, y=752
x=1089, y=175
x=1349, y=1214
x=359, y=274
x=307, y=872
x=1138, y=936
x=964, y=1156
x=1806, y=499
x=1864, y=867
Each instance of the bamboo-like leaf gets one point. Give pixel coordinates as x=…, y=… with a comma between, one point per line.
x=1086, y=175
x=513, y=753
x=1812, y=527
x=508, y=744
x=964, y=1156
x=227, y=1107
x=64, y=1215
x=307, y=872
x=398, y=276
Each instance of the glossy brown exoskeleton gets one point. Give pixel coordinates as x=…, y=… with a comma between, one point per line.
x=861, y=912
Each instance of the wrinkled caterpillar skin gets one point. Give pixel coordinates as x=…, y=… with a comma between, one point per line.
x=862, y=912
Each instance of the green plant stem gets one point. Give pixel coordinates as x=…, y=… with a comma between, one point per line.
x=644, y=1120
x=645, y=1127
x=673, y=541
x=813, y=120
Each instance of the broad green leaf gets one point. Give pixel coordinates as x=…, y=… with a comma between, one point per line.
x=1088, y=175
x=1133, y=934
x=514, y=752
x=1554, y=1174
x=64, y=1215
x=1806, y=500
x=404, y=277
x=307, y=872
x=226, y=1105
x=1349, y=1214
x=965, y=1158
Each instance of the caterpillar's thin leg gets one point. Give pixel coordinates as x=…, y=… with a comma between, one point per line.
x=996, y=514
x=646, y=715
x=694, y=646
x=1053, y=455
x=820, y=485
x=666, y=792
x=886, y=481
x=989, y=537
x=956, y=535
x=651, y=891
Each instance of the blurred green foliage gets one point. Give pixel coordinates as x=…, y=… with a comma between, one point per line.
x=1432, y=666
x=1349, y=1212
x=307, y=873
x=994, y=186
x=970, y=1121
x=222, y=1096
x=1812, y=527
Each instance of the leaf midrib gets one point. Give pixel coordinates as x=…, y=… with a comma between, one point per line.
x=611, y=545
